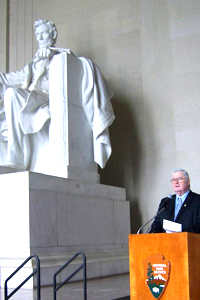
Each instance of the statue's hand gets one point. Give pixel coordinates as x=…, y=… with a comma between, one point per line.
x=43, y=53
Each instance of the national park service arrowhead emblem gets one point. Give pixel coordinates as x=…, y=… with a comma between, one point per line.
x=157, y=271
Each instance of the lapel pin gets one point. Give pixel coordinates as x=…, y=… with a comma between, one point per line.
x=184, y=205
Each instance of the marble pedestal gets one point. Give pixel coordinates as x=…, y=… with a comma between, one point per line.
x=55, y=218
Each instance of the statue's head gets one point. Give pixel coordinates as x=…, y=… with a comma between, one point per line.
x=46, y=33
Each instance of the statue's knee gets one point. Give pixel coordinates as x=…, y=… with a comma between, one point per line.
x=9, y=93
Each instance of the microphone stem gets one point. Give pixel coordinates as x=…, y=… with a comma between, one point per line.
x=149, y=222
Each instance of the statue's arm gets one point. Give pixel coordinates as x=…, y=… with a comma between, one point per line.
x=13, y=79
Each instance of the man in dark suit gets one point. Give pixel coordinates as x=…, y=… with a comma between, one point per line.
x=183, y=208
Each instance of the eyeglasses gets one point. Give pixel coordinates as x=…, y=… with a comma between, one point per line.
x=179, y=179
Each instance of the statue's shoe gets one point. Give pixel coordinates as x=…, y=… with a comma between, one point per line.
x=13, y=165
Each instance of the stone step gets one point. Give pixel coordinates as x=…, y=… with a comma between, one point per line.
x=123, y=298
x=98, y=265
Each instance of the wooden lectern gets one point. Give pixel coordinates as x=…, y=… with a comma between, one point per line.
x=180, y=251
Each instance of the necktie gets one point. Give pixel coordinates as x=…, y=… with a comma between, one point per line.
x=178, y=206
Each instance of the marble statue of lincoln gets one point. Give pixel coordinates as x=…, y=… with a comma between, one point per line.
x=24, y=94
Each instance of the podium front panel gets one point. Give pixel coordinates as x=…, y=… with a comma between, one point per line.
x=181, y=250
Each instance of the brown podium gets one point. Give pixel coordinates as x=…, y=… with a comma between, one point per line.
x=164, y=266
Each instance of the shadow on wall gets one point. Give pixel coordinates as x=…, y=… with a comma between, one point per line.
x=123, y=167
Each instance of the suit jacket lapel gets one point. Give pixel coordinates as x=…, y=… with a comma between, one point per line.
x=171, y=207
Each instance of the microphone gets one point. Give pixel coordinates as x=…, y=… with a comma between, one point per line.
x=164, y=205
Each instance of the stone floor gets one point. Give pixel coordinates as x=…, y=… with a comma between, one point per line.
x=109, y=288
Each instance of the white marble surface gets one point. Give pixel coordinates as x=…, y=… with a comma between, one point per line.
x=70, y=137
x=56, y=217
x=57, y=184
x=74, y=227
x=56, y=135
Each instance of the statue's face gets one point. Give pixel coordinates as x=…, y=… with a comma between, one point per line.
x=43, y=36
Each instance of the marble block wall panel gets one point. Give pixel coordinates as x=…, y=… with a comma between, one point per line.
x=43, y=182
x=65, y=219
x=43, y=218
x=55, y=218
x=85, y=220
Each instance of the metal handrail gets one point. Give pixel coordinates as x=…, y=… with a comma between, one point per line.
x=37, y=270
x=82, y=266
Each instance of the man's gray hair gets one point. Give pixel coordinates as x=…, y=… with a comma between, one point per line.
x=52, y=28
x=185, y=173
